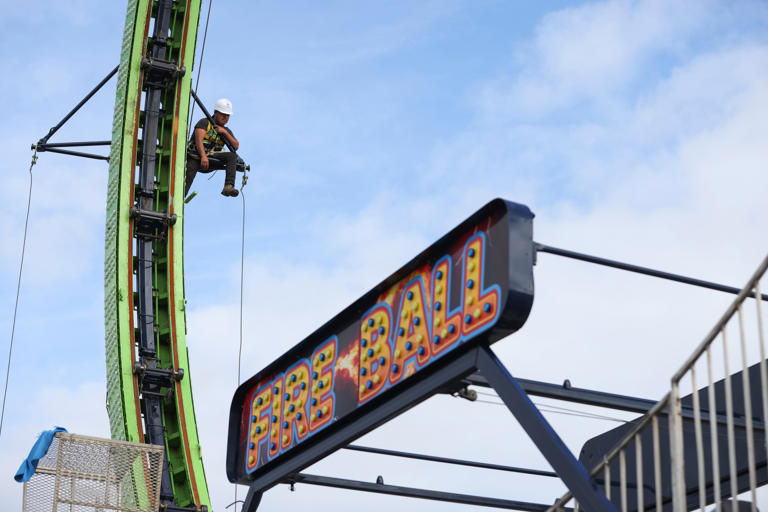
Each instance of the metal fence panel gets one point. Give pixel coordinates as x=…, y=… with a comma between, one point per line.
x=89, y=474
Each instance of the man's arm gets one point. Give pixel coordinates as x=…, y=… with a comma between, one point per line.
x=227, y=135
x=199, y=134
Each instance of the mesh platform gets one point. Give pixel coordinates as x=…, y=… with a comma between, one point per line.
x=89, y=474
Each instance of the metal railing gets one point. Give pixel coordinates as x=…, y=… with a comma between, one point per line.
x=699, y=446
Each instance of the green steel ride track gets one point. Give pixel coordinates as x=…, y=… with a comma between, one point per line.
x=131, y=390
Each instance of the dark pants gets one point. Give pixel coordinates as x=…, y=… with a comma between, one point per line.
x=216, y=161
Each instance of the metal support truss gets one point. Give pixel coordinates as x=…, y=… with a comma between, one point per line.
x=54, y=147
x=577, y=395
x=44, y=140
x=449, y=460
x=570, y=471
x=43, y=145
x=50, y=145
x=642, y=270
x=50, y=149
x=411, y=492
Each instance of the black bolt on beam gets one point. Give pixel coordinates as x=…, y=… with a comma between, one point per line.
x=570, y=471
x=447, y=460
x=160, y=72
x=77, y=107
x=642, y=270
x=411, y=492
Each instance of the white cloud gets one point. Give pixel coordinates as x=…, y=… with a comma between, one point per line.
x=65, y=231
x=630, y=132
x=680, y=198
x=592, y=53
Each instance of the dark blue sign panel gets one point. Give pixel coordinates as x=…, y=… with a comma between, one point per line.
x=474, y=285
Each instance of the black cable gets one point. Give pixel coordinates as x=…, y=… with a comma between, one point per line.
x=18, y=290
x=200, y=65
x=242, y=267
x=553, y=408
x=556, y=410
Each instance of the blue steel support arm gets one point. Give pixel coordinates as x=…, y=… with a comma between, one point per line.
x=412, y=492
x=570, y=471
x=252, y=500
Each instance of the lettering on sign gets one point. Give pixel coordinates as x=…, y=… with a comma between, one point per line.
x=455, y=292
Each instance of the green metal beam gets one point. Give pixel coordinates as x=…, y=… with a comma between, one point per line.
x=124, y=399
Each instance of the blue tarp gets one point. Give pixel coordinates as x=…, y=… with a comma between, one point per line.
x=38, y=451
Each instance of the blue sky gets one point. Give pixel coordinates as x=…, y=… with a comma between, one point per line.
x=633, y=130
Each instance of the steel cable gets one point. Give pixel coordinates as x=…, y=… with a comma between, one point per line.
x=18, y=290
x=200, y=64
x=553, y=409
x=242, y=273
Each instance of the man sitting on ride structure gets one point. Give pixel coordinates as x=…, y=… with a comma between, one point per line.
x=204, y=153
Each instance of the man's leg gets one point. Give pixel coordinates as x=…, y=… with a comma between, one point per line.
x=230, y=164
x=192, y=167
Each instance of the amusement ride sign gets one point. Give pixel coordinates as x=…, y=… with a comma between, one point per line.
x=474, y=285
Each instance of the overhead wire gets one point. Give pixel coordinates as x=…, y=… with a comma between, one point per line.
x=200, y=64
x=580, y=414
x=242, y=237
x=554, y=409
x=568, y=412
x=242, y=274
x=18, y=289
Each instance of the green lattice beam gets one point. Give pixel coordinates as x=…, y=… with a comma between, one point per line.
x=123, y=392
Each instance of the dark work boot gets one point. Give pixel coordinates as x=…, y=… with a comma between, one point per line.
x=230, y=190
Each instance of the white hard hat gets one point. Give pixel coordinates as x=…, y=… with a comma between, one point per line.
x=224, y=106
